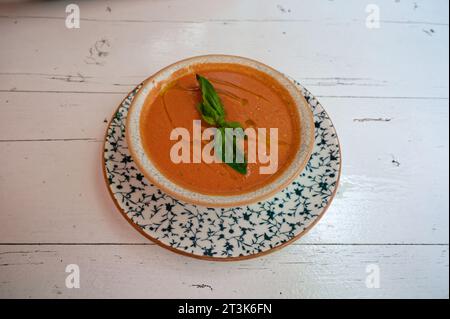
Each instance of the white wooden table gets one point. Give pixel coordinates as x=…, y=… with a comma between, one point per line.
x=385, y=88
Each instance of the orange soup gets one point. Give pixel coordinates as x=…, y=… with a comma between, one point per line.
x=249, y=97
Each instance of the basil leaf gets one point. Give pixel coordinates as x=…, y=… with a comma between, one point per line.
x=208, y=115
x=231, y=148
x=210, y=95
x=212, y=112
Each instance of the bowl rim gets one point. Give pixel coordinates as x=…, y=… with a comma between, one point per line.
x=155, y=176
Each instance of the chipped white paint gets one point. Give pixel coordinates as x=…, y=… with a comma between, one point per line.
x=301, y=271
x=392, y=208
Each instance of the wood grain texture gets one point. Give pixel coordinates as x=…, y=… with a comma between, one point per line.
x=353, y=60
x=394, y=12
x=385, y=89
x=146, y=271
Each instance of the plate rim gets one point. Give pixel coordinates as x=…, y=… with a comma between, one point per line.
x=212, y=258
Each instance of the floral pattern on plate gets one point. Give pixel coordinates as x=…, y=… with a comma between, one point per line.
x=224, y=233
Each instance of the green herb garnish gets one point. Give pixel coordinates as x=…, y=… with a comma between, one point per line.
x=212, y=111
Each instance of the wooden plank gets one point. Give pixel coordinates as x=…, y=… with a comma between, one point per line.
x=52, y=189
x=352, y=61
x=56, y=116
x=406, y=11
x=55, y=191
x=149, y=271
x=82, y=115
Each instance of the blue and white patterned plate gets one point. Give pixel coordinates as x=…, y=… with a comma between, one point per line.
x=224, y=233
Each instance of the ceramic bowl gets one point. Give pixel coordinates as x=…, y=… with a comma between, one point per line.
x=152, y=86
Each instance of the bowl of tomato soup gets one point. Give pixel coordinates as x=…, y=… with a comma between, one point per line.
x=220, y=130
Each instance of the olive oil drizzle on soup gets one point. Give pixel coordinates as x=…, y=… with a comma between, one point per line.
x=249, y=97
